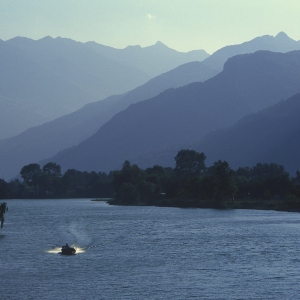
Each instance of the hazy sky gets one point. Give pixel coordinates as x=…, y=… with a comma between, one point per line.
x=180, y=24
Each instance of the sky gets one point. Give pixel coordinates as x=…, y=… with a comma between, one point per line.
x=183, y=25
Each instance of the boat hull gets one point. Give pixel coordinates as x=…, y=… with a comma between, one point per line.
x=68, y=250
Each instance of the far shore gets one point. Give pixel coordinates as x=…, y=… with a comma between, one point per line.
x=102, y=199
x=257, y=204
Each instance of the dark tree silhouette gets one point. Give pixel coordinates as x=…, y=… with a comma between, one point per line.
x=189, y=163
x=222, y=180
x=31, y=174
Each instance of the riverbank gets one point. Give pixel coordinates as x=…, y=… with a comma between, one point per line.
x=257, y=204
x=101, y=200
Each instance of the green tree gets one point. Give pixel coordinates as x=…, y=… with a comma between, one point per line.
x=45, y=185
x=160, y=176
x=4, y=189
x=31, y=174
x=128, y=174
x=263, y=181
x=3, y=210
x=148, y=191
x=261, y=172
x=128, y=194
x=189, y=163
x=222, y=180
x=74, y=183
x=133, y=185
x=50, y=179
x=52, y=169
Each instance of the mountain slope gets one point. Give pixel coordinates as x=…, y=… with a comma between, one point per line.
x=41, y=94
x=247, y=84
x=280, y=43
x=54, y=77
x=46, y=140
x=96, y=75
x=153, y=60
x=271, y=135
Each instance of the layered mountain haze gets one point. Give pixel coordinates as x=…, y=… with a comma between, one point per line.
x=26, y=85
x=53, y=77
x=46, y=140
x=280, y=43
x=271, y=135
x=153, y=60
x=95, y=74
x=184, y=115
x=69, y=64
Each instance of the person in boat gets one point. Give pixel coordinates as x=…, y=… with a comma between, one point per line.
x=66, y=246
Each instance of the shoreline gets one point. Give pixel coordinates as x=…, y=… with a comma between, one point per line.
x=259, y=204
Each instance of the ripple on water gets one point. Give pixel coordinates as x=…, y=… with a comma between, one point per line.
x=147, y=252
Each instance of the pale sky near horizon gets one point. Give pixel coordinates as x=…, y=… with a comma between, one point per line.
x=183, y=25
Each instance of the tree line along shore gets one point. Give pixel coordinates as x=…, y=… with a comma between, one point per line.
x=189, y=184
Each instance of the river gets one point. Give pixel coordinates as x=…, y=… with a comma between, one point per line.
x=147, y=252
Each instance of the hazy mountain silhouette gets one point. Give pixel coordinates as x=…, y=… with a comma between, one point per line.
x=280, y=43
x=101, y=70
x=46, y=140
x=153, y=60
x=27, y=86
x=272, y=135
x=53, y=77
x=184, y=115
x=98, y=76
x=269, y=136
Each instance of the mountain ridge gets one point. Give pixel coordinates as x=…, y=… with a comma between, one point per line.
x=184, y=115
x=87, y=120
x=55, y=77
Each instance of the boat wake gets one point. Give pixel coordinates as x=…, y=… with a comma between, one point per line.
x=57, y=250
x=79, y=250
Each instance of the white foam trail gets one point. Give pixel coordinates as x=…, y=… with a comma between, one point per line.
x=79, y=250
x=57, y=250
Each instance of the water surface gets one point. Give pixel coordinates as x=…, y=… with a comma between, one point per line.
x=147, y=252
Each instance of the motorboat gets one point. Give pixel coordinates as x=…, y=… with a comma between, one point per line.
x=67, y=250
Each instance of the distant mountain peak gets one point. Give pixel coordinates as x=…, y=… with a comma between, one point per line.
x=47, y=38
x=159, y=46
x=282, y=35
x=159, y=43
x=133, y=47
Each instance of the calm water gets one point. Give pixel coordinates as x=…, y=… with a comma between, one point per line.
x=147, y=252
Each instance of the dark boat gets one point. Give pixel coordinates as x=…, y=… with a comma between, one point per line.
x=67, y=250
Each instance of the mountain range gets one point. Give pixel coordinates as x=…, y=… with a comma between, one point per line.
x=247, y=84
x=49, y=78
x=153, y=60
x=45, y=140
x=271, y=135
x=280, y=43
